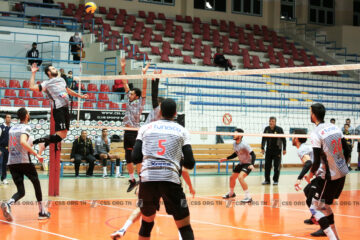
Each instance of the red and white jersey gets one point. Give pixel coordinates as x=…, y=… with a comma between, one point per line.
x=328, y=137
x=162, y=143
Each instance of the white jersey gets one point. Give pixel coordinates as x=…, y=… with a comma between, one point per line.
x=18, y=154
x=328, y=137
x=55, y=88
x=306, y=149
x=154, y=115
x=243, y=151
x=162, y=143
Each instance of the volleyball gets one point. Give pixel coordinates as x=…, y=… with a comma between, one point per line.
x=90, y=7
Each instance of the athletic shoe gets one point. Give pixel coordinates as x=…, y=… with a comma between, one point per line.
x=247, y=200
x=118, y=175
x=133, y=184
x=105, y=176
x=275, y=183
x=350, y=169
x=77, y=176
x=5, y=182
x=357, y=169
x=43, y=216
x=118, y=234
x=6, y=209
x=90, y=176
x=308, y=221
x=227, y=196
x=318, y=233
x=265, y=183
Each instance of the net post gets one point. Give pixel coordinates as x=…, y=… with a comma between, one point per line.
x=54, y=162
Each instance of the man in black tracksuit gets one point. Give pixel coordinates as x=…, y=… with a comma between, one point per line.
x=33, y=53
x=274, y=146
x=83, y=149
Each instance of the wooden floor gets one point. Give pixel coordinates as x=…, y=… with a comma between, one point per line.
x=276, y=213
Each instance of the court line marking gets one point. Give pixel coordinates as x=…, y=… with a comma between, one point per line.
x=210, y=223
x=38, y=230
x=294, y=209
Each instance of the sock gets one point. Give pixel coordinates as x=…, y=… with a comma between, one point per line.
x=231, y=191
x=127, y=225
x=11, y=201
x=117, y=170
x=105, y=170
x=247, y=194
x=132, y=176
x=330, y=233
x=41, y=207
x=187, y=232
x=180, y=238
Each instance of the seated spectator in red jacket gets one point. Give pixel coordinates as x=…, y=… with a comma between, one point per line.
x=119, y=87
x=221, y=61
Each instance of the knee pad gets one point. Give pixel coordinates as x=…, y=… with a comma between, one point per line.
x=187, y=232
x=145, y=229
x=324, y=223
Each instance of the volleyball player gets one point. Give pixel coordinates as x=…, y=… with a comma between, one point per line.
x=246, y=164
x=331, y=150
x=20, y=148
x=58, y=92
x=136, y=214
x=159, y=147
x=135, y=105
x=305, y=153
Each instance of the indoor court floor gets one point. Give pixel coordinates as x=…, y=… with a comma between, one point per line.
x=93, y=208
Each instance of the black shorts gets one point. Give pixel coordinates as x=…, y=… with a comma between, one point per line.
x=242, y=168
x=358, y=148
x=62, y=118
x=129, y=139
x=326, y=190
x=172, y=195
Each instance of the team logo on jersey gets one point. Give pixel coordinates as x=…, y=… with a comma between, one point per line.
x=63, y=95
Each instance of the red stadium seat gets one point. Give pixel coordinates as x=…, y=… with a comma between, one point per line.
x=104, y=88
x=159, y=27
x=19, y=102
x=103, y=97
x=152, y=15
x=113, y=106
x=179, y=18
x=142, y=14
x=207, y=61
x=122, y=12
x=214, y=22
x=2, y=83
x=187, y=60
x=102, y=10
x=112, y=10
x=91, y=97
x=14, y=84
x=92, y=87
x=177, y=52
x=33, y=103
x=5, y=102
x=10, y=93
x=155, y=50
x=24, y=94
x=74, y=104
x=46, y=103
x=37, y=95
x=87, y=105
x=165, y=58
x=161, y=16
x=101, y=105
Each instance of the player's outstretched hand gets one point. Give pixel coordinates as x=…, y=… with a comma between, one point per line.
x=40, y=158
x=34, y=68
x=192, y=191
x=144, y=70
x=85, y=96
x=251, y=167
x=123, y=63
x=297, y=185
x=222, y=160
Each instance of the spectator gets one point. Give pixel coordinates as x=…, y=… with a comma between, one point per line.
x=221, y=61
x=351, y=129
x=69, y=79
x=357, y=132
x=273, y=151
x=119, y=86
x=62, y=74
x=332, y=121
x=33, y=53
x=76, y=45
x=349, y=142
x=102, y=149
x=4, y=151
x=82, y=149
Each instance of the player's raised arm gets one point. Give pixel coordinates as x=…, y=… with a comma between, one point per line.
x=125, y=81
x=75, y=94
x=144, y=70
x=32, y=85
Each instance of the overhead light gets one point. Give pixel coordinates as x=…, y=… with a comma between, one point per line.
x=208, y=5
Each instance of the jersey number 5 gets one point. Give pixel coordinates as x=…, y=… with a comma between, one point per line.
x=162, y=147
x=337, y=145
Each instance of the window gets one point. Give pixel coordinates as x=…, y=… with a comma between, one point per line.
x=288, y=10
x=164, y=2
x=356, y=12
x=251, y=7
x=322, y=12
x=214, y=5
